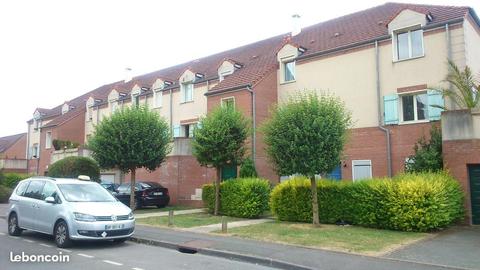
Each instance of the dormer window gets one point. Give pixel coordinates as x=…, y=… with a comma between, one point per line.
x=223, y=75
x=157, y=98
x=408, y=44
x=289, y=71
x=227, y=68
x=135, y=94
x=65, y=108
x=186, y=92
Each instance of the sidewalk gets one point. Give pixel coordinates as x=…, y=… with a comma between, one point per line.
x=270, y=254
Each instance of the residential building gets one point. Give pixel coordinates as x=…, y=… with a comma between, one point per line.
x=382, y=62
x=12, y=153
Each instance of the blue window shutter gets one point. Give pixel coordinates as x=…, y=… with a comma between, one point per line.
x=336, y=174
x=176, y=131
x=390, y=103
x=435, y=98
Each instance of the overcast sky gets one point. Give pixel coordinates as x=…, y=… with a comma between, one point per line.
x=53, y=51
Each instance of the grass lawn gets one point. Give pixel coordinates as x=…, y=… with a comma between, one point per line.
x=185, y=221
x=163, y=209
x=341, y=238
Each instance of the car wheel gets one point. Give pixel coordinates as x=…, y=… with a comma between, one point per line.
x=62, y=236
x=120, y=240
x=13, y=228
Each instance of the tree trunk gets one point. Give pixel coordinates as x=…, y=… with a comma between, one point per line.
x=313, y=187
x=132, y=189
x=217, y=190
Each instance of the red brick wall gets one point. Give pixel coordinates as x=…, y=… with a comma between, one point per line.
x=18, y=149
x=181, y=175
x=457, y=155
x=370, y=143
x=72, y=130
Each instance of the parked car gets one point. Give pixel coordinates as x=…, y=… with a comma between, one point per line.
x=68, y=209
x=112, y=187
x=146, y=194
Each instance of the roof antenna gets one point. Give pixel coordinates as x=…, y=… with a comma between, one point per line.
x=296, y=27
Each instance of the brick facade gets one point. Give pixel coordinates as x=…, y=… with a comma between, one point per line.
x=17, y=150
x=457, y=155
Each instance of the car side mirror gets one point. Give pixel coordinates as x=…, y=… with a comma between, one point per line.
x=50, y=200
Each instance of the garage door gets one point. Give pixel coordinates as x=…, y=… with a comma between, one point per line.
x=474, y=175
x=108, y=178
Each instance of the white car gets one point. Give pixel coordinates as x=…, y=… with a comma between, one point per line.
x=68, y=209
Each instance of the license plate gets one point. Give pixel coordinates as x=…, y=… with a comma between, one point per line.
x=158, y=193
x=114, y=226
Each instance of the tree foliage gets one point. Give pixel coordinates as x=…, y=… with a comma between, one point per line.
x=131, y=138
x=72, y=167
x=247, y=169
x=220, y=140
x=306, y=136
x=428, y=153
x=465, y=87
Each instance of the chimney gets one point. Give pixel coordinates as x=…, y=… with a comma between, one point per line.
x=128, y=75
x=296, y=27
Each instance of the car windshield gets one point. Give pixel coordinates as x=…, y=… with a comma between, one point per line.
x=85, y=193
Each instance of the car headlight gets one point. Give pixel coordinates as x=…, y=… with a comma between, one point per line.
x=130, y=216
x=84, y=217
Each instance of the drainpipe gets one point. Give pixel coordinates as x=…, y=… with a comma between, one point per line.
x=380, y=126
x=28, y=149
x=449, y=45
x=171, y=110
x=254, y=124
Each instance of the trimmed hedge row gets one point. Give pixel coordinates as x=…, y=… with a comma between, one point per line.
x=11, y=179
x=4, y=194
x=242, y=197
x=408, y=202
x=72, y=167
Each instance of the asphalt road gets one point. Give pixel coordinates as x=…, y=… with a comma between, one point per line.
x=105, y=256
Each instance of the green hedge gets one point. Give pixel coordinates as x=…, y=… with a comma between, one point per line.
x=408, y=202
x=72, y=167
x=242, y=197
x=11, y=179
x=4, y=194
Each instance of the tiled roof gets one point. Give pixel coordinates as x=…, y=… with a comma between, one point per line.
x=259, y=58
x=8, y=141
x=65, y=117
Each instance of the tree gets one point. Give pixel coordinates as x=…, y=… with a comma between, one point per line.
x=465, y=88
x=131, y=138
x=306, y=136
x=247, y=169
x=428, y=154
x=220, y=141
x=72, y=167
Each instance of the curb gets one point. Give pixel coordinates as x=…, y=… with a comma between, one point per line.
x=223, y=254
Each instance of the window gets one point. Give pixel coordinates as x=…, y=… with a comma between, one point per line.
x=136, y=100
x=21, y=188
x=36, y=124
x=228, y=102
x=48, y=140
x=188, y=130
x=89, y=113
x=409, y=44
x=34, y=190
x=186, y=92
x=361, y=169
x=176, y=131
x=35, y=151
x=157, y=99
x=289, y=71
x=414, y=107
x=49, y=190
x=113, y=106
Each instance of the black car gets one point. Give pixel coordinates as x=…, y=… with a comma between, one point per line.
x=112, y=187
x=146, y=194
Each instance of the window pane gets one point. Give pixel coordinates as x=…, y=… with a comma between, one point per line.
x=408, y=110
x=49, y=190
x=34, y=190
x=158, y=99
x=417, y=48
x=422, y=106
x=290, y=71
x=402, y=45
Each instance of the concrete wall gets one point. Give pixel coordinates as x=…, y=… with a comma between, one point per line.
x=460, y=125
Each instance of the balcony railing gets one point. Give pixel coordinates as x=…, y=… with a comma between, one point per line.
x=13, y=164
x=74, y=152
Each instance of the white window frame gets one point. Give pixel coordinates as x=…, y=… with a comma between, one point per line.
x=35, y=151
x=48, y=140
x=224, y=74
x=183, y=97
x=415, y=112
x=359, y=161
x=284, y=73
x=408, y=30
x=225, y=99
x=157, y=93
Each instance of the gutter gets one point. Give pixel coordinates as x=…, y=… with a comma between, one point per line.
x=254, y=124
x=380, y=126
x=221, y=91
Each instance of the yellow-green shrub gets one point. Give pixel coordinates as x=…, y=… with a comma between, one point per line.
x=242, y=197
x=408, y=202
